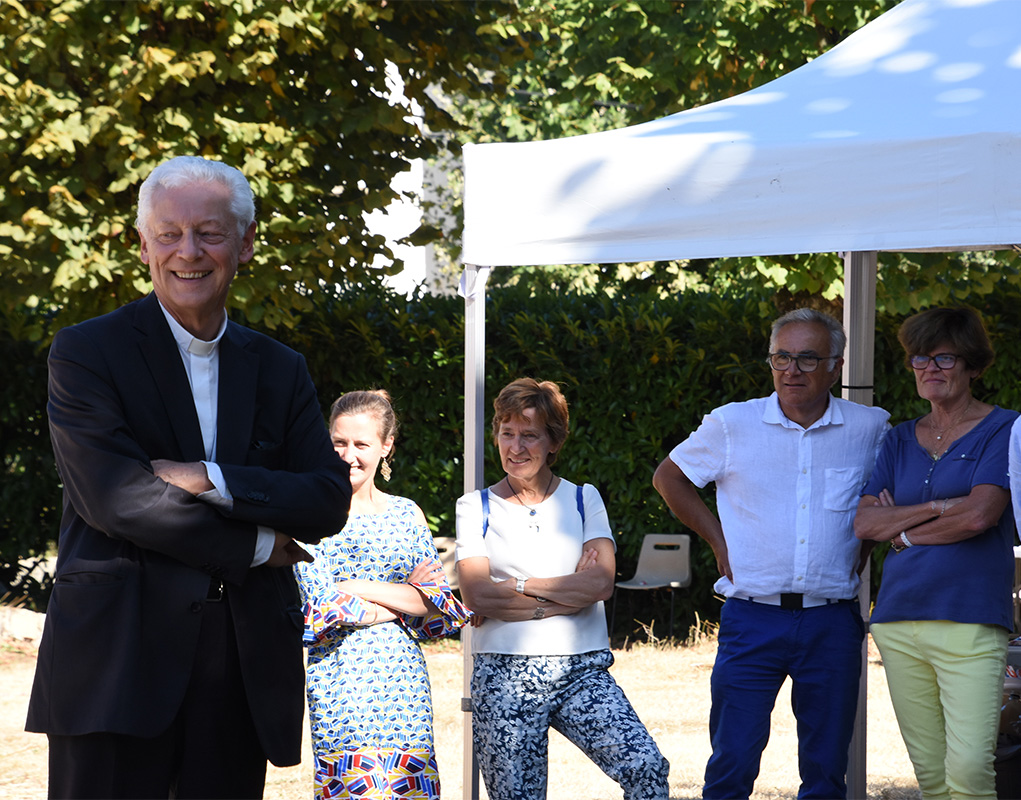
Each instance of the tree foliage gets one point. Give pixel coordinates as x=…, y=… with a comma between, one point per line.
x=299, y=95
x=586, y=65
x=296, y=94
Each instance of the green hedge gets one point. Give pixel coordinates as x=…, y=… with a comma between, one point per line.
x=639, y=373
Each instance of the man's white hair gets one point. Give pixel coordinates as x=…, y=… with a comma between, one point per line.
x=838, y=339
x=183, y=170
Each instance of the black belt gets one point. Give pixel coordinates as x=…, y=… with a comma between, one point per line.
x=793, y=601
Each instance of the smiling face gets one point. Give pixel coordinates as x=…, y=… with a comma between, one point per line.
x=357, y=441
x=805, y=395
x=524, y=446
x=193, y=249
x=944, y=386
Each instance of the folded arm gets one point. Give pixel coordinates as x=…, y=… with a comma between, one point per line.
x=940, y=521
x=397, y=598
x=563, y=595
x=591, y=581
x=105, y=445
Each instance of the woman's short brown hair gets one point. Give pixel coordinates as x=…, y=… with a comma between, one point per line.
x=959, y=327
x=550, y=409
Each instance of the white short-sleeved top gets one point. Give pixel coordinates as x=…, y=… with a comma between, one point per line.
x=786, y=496
x=546, y=545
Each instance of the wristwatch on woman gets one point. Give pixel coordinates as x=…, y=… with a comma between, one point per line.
x=519, y=587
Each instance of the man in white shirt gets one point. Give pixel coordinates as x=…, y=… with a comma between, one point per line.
x=193, y=454
x=788, y=470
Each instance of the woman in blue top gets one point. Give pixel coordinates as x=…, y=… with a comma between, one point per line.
x=940, y=495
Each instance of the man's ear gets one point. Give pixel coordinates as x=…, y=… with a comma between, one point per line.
x=143, y=250
x=247, y=245
x=838, y=367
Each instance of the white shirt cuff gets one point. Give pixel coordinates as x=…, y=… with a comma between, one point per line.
x=264, y=542
x=219, y=496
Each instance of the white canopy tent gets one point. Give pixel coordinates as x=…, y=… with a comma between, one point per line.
x=905, y=136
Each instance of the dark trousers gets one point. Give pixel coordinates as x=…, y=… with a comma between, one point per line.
x=211, y=749
x=759, y=647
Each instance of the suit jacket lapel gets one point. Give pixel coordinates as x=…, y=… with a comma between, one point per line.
x=236, y=397
x=164, y=360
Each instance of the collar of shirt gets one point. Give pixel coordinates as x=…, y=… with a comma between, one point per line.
x=772, y=414
x=202, y=365
x=190, y=344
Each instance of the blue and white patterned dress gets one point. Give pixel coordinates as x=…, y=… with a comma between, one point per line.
x=368, y=687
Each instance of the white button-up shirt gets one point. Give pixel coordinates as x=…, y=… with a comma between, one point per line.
x=786, y=496
x=202, y=364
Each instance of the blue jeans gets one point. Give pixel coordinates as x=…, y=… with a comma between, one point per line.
x=517, y=699
x=759, y=647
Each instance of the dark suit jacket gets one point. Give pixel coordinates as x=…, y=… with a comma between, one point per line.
x=136, y=554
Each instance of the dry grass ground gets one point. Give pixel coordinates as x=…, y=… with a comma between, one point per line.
x=669, y=687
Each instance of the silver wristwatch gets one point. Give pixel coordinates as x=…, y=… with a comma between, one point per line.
x=519, y=587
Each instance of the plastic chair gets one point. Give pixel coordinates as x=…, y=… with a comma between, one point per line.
x=445, y=548
x=663, y=562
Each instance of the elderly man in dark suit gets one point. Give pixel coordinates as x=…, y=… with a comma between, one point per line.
x=194, y=457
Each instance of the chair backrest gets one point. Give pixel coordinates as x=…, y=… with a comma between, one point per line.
x=445, y=548
x=665, y=560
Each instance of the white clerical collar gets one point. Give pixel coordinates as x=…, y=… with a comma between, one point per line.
x=191, y=344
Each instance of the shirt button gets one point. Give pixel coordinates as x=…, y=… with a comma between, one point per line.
x=802, y=505
x=803, y=470
x=801, y=541
x=196, y=607
x=800, y=578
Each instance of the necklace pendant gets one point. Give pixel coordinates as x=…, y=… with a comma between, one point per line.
x=531, y=512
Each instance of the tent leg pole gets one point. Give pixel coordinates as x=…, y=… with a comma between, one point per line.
x=474, y=419
x=860, y=270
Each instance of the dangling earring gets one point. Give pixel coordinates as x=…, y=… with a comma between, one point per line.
x=384, y=469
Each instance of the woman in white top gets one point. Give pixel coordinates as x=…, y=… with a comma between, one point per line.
x=535, y=562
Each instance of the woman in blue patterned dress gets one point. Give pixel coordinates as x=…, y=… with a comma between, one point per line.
x=371, y=593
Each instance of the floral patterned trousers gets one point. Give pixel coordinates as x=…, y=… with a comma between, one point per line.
x=515, y=701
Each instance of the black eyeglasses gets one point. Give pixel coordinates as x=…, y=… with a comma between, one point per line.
x=943, y=361
x=806, y=363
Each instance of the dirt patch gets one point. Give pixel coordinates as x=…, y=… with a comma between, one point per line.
x=669, y=688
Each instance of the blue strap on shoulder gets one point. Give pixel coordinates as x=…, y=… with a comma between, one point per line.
x=485, y=509
x=485, y=512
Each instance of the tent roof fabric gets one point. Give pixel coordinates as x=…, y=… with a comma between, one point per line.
x=905, y=136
